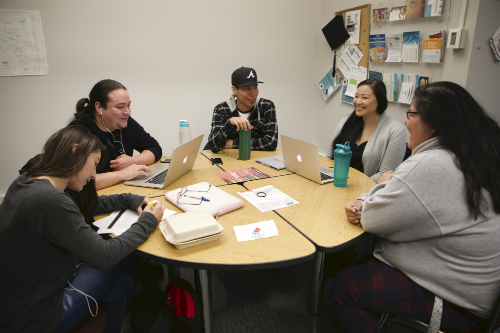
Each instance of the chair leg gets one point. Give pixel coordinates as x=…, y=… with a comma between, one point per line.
x=383, y=319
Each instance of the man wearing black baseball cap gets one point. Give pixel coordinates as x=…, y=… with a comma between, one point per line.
x=243, y=111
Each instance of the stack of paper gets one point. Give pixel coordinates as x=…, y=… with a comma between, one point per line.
x=391, y=86
x=394, y=46
x=434, y=46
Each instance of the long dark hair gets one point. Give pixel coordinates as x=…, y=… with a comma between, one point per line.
x=85, y=107
x=467, y=131
x=353, y=127
x=59, y=160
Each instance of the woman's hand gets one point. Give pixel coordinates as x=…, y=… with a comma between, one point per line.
x=385, y=176
x=143, y=205
x=134, y=170
x=157, y=210
x=352, y=212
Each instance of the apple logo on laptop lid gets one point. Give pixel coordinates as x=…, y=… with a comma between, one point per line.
x=185, y=159
x=299, y=158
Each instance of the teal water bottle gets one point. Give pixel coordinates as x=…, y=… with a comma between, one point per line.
x=342, y=156
x=245, y=138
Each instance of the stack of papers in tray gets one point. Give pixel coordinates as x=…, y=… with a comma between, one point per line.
x=190, y=229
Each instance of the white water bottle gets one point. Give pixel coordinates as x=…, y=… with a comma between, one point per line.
x=184, y=132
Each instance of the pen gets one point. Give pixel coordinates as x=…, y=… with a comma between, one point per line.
x=116, y=218
x=150, y=205
x=202, y=198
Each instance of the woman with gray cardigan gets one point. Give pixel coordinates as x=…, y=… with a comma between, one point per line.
x=378, y=141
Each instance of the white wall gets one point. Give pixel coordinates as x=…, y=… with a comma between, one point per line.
x=175, y=57
x=454, y=67
x=484, y=72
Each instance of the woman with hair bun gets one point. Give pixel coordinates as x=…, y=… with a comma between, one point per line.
x=378, y=142
x=438, y=222
x=106, y=113
x=55, y=268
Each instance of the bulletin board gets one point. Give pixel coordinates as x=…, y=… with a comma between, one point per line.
x=364, y=32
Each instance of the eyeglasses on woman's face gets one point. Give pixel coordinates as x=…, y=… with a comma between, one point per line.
x=409, y=112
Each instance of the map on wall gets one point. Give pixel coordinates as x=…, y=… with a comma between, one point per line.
x=22, y=48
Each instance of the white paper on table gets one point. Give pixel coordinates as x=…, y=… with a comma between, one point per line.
x=358, y=74
x=264, y=229
x=406, y=94
x=125, y=221
x=273, y=199
x=352, y=24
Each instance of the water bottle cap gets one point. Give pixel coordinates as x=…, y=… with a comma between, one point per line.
x=184, y=123
x=345, y=146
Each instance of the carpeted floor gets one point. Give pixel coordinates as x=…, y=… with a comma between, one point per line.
x=273, y=300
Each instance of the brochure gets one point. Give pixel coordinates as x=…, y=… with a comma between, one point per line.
x=375, y=75
x=241, y=175
x=398, y=13
x=423, y=80
x=357, y=75
x=377, y=47
x=391, y=86
x=409, y=82
x=415, y=9
x=394, y=45
x=268, y=198
x=433, y=8
x=328, y=84
x=352, y=24
x=432, y=51
x=344, y=98
x=380, y=15
x=410, y=46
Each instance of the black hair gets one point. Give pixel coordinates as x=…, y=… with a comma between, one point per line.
x=85, y=107
x=469, y=133
x=353, y=127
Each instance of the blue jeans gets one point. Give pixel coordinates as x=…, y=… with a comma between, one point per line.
x=113, y=287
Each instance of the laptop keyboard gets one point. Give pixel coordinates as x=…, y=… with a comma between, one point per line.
x=324, y=176
x=159, y=178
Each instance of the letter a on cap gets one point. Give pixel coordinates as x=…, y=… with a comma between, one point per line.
x=251, y=75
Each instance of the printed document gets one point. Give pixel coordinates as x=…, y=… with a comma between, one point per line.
x=264, y=229
x=268, y=198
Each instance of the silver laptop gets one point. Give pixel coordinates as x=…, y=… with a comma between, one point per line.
x=182, y=162
x=303, y=159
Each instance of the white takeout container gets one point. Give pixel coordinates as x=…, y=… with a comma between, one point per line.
x=189, y=227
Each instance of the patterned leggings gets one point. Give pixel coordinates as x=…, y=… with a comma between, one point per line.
x=363, y=291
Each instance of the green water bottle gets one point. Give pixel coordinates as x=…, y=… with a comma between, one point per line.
x=245, y=139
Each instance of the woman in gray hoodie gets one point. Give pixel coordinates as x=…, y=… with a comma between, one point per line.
x=438, y=219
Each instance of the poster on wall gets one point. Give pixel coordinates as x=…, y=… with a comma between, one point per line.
x=328, y=84
x=22, y=47
x=352, y=24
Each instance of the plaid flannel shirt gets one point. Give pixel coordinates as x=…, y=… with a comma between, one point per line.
x=264, y=132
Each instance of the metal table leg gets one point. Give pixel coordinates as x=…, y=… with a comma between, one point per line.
x=318, y=284
x=206, y=298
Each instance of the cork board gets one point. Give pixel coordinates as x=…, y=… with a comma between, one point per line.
x=364, y=32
